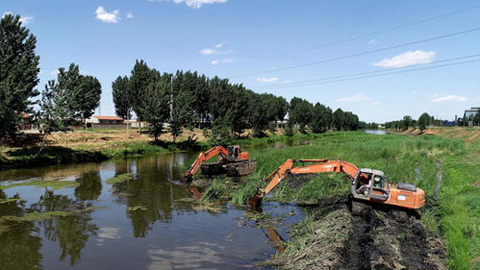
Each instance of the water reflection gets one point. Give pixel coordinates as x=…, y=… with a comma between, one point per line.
x=151, y=197
x=90, y=186
x=71, y=231
x=149, y=222
x=20, y=248
x=375, y=132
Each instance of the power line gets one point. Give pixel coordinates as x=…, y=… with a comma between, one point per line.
x=397, y=27
x=360, y=54
x=358, y=74
x=383, y=74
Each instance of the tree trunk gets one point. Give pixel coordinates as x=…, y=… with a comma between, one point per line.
x=41, y=147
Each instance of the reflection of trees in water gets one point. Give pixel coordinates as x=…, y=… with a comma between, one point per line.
x=150, y=197
x=90, y=186
x=11, y=208
x=72, y=231
x=19, y=249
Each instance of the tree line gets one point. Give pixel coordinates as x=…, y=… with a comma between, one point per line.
x=425, y=120
x=187, y=99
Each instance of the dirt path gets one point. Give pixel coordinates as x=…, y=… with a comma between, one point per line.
x=375, y=239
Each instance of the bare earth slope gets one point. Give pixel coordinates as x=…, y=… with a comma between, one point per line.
x=373, y=240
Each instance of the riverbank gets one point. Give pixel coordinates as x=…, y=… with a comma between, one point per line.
x=446, y=168
x=99, y=145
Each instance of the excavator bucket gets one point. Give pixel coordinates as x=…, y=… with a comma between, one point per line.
x=255, y=201
x=186, y=179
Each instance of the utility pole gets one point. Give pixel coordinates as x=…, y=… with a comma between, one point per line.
x=171, y=99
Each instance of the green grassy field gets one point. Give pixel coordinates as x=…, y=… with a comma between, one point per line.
x=446, y=169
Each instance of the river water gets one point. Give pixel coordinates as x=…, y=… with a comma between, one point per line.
x=150, y=222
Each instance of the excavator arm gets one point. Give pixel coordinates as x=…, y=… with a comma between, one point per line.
x=288, y=167
x=202, y=157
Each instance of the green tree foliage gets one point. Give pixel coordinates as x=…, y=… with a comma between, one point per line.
x=229, y=103
x=121, y=97
x=82, y=93
x=182, y=99
x=407, y=121
x=186, y=99
x=154, y=107
x=263, y=109
x=18, y=73
x=424, y=120
x=476, y=119
x=338, y=119
x=300, y=113
x=322, y=118
x=200, y=88
x=141, y=77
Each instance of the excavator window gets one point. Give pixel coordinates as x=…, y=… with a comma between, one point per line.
x=378, y=181
x=233, y=152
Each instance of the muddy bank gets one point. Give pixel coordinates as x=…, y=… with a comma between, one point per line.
x=374, y=239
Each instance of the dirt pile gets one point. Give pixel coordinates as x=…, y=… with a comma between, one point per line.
x=374, y=239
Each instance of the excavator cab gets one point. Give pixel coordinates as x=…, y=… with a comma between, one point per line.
x=371, y=184
x=233, y=152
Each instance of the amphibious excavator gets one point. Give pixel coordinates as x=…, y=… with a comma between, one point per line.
x=232, y=162
x=368, y=185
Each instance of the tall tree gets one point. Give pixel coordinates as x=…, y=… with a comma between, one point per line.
x=322, y=117
x=300, y=113
x=18, y=73
x=121, y=97
x=54, y=114
x=407, y=121
x=423, y=121
x=182, y=99
x=154, y=106
x=82, y=92
x=141, y=77
x=339, y=119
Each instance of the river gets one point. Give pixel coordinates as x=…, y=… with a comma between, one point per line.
x=151, y=222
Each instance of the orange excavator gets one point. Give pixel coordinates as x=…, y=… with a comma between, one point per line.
x=232, y=162
x=367, y=185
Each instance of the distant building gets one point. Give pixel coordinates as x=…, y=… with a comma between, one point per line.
x=98, y=121
x=469, y=114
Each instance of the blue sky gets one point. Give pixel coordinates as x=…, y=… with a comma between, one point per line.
x=249, y=41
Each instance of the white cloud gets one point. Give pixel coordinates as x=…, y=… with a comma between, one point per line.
x=106, y=17
x=358, y=98
x=130, y=15
x=268, y=80
x=219, y=61
x=217, y=50
x=449, y=98
x=207, y=51
x=372, y=42
x=220, y=45
x=406, y=59
x=53, y=73
x=25, y=20
x=194, y=3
